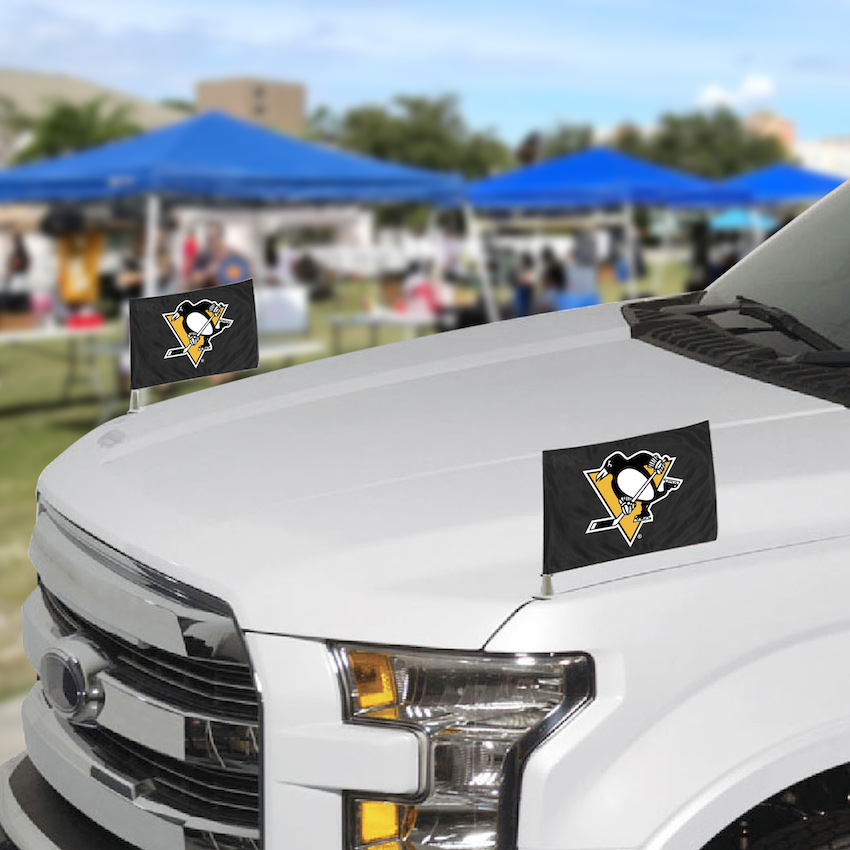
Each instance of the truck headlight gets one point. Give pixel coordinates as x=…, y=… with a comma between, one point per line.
x=482, y=714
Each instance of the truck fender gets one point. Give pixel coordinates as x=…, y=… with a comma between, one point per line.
x=622, y=775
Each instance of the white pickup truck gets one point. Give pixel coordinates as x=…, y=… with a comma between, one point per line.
x=574, y=582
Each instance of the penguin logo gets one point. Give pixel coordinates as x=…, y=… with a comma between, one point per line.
x=195, y=325
x=628, y=487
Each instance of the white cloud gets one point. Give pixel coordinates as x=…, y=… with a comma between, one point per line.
x=515, y=66
x=753, y=90
x=372, y=44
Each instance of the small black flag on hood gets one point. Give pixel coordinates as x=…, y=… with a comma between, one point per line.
x=192, y=334
x=628, y=497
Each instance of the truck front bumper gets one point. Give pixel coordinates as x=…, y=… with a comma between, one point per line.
x=34, y=817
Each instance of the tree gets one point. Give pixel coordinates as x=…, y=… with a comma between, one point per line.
x=485, y=154
x=374, y=131
x=179, y=104
x=13, y=123
x=716, y=144
x=629, y=139
x=420, y=131
x=529, y=149
x=67, y=127
x=565, y=139
x=323, y=125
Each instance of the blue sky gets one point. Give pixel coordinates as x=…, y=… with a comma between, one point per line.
x=516, y=65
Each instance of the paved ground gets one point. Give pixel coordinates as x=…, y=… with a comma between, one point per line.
x=11, y=736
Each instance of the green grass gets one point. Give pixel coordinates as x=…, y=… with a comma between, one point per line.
x=36, y=426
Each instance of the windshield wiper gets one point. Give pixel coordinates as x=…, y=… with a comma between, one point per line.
x=840, y=357
x=776, y=317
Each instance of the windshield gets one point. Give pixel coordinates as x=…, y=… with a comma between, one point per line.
x=804, y=270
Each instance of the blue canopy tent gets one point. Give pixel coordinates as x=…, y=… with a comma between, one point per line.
x=598, y=177
x=738, y=218
x=216, y=156
x=784, y=183
x=595, y=179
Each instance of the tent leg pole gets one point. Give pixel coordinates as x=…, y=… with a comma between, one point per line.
x=432, y=230
x=672, y=226
x=656, y=272
x=261, y=273
x=666, y=237
x=138, y=398
x=490, y=306
x=631, y=285
x=756, y=234
x=152, y=210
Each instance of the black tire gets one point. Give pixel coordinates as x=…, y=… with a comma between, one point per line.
x=831, y=832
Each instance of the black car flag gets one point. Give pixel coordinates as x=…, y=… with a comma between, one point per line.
x=192, y=334
x=628, y=497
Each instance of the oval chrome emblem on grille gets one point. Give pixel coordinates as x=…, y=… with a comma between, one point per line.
x=68, y=673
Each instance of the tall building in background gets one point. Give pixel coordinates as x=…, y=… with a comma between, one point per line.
x=765, y=123
x=831, y=156
x=276, y=104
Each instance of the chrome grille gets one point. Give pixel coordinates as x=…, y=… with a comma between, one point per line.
x=209, y=686
x=175, y=662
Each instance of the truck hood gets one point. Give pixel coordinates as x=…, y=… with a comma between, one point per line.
x=394, y=495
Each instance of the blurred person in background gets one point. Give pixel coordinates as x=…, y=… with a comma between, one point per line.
x=279, y=259
x=701, y=272
x=554, y=280
x=554, y=272
x=450, y=256
x=131, y=279
x=17, y=266
x=285, y=262
x=585, y=247
x=640, y=266
x=584, y=272
x=604, y=245
x=271, y=259
x=629, y=255
x=190, y=255
x=524, y=282
x=423, y=292
x=307, y=270
x=722, y=258
x=218, y=264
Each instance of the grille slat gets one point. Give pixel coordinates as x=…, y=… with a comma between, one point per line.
x=196, y=840
x=221, y=795
x=219, y=692
x=221, y=680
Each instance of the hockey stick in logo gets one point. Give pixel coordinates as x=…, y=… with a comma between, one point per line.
x=177, y=351
x=608, y=522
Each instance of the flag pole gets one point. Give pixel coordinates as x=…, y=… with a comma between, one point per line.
x=149, y=272
x=546, y=586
